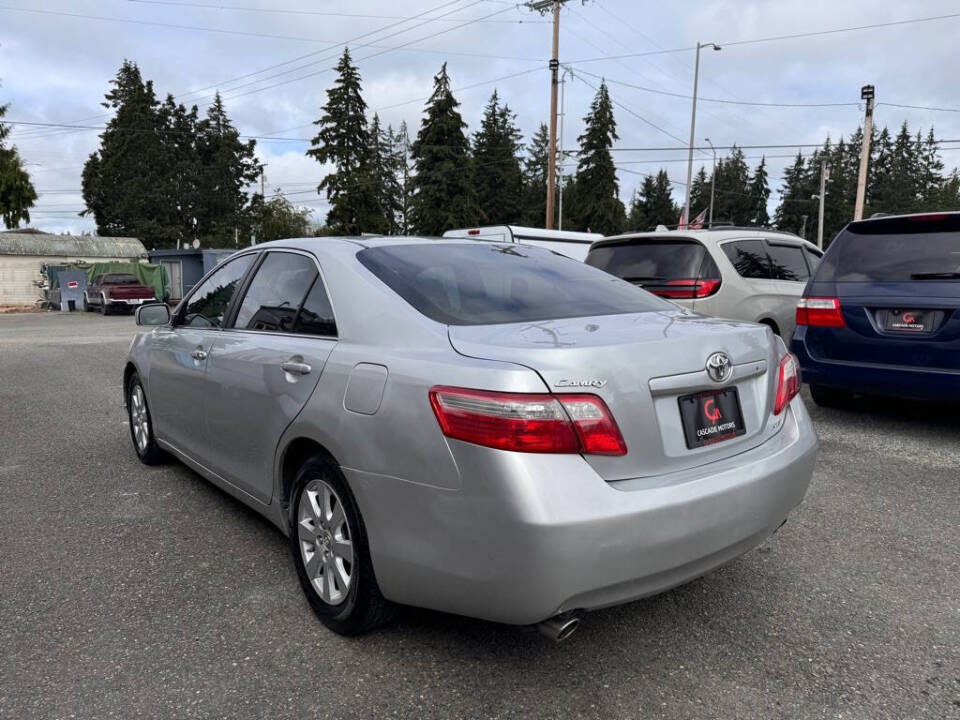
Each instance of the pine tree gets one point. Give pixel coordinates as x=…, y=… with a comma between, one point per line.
x=124, y=181
x=497, y=173
x=344, y=141
x=535, y=179
x=228, y=167
x=759, y=192
x=793, y=212
x=637, y=216
x=444, y=196
x=732, y=201
x=597, y=205
x=660, y=207
x=180, y=186
x=930, y=178
x=700, y=193
x=387, y=190
x=17, y=194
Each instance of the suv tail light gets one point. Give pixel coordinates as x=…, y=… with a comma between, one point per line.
x=528, y=422
x=820, y=312
x=788, y=383
x=688, y=288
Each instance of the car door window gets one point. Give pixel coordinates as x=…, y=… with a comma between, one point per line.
x=316, y=315
x=276, y=293
x=787, y=263
x=208, y=304
x=749, y=258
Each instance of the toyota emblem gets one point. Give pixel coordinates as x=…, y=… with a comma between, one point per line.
x=719, y=366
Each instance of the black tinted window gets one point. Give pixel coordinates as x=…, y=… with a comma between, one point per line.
x=481, y=284
x=316, y=315
x=276, y=292
x=120, y=279
x=749, y=258
x=871, y=256
x=813, y=259
x=787, y=263
x=209, y=303
x=649, y=260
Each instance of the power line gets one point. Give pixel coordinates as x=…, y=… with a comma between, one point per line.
x=777, y=38
x=921, y=107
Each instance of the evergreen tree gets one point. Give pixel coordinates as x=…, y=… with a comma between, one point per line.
x=732, y=200
x=794, y=212
x=637, y=215
x=344, y=141
x=180, y=185
x=699, y=193
x=228, y=167
x=597, y=205
x=535, y=179
x=497, y=173
x=930, y=180
x=17, y=195
x=124, y=181
x=386, y=186
x=759, y=193
x=444, y=196
x=401, y=170
x=660, y=207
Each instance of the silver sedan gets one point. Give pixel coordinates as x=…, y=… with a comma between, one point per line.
x=483, y=429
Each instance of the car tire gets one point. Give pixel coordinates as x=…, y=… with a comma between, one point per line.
x=328, y=541
x=141, y=424
x=830, y=397
x=104, y=307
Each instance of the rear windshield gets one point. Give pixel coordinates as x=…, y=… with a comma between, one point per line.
x=893, y=251
x=637, y=260
x=120, y=280
x=486, y=284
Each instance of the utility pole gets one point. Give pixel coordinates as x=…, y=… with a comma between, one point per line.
x=713, y=180
x=822, y=197
x=866, y=93
x=541, y=6
x=563, y=162
x=262, y=181
x=693, y=127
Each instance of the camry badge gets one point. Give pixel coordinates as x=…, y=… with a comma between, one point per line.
x=719, y=366
x=580, y=383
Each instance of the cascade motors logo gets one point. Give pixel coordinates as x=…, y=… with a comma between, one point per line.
x=711, y=412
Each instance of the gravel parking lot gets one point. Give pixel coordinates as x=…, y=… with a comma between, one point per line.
x=146, y=592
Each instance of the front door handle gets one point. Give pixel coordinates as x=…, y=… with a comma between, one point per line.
x=199, y=355
x=296, y=368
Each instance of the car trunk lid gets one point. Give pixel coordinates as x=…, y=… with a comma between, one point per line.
x=641, y=364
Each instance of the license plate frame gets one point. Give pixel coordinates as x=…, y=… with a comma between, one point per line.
x=909, y=322
x=711, y=416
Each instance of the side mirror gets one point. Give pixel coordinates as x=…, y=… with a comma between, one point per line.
x=152, y=314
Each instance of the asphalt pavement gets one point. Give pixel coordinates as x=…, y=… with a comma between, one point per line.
x=135, y=592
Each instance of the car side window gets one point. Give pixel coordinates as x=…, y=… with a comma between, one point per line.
x=208, y=304
x=787, y=263
x=276, y=293
x=316, y=315
x=749, y=258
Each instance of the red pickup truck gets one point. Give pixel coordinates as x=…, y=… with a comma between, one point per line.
x=112, y=291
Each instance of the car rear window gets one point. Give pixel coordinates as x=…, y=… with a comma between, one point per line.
x=120, y=280
x=485, y=284
x=894, y=250
x=638, y=260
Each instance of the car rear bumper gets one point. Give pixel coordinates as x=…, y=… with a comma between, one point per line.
x=131, y=302
x=916, y=382
x=530, y=536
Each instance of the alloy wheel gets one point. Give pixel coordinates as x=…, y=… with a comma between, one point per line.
x=326, y=547
x=139, y=420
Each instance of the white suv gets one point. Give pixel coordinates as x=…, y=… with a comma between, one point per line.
x=749, y=274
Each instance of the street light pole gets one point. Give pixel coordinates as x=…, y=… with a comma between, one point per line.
x=867, y=93
x=713, y=180
x=824, y=176
x=693, y=127
x=563, y=114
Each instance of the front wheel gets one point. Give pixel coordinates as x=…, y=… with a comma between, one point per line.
x=141, y=424
x=329, y=545
x=830, y=397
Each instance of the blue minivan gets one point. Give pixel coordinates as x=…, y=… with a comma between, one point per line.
x=881, y=315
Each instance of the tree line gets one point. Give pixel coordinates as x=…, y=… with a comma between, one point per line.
x=17, y=194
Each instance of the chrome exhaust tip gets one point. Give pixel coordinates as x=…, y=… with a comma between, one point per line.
x=560, y=627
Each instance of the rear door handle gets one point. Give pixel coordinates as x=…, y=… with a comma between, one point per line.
x=199, y=355
x=296, y=368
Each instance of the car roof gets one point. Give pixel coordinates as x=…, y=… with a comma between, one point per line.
x=351, y=244
x=707, y=235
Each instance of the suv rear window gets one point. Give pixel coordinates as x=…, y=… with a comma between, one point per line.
x=640, y=260
x=894, y=250
x=485, y=284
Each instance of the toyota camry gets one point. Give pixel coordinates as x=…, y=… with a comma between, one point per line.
x=479, y=428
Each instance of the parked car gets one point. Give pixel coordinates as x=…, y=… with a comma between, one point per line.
x=116, y=291
x=880, y=316
x=566, y=242
x=748, y=274
x=478, y=428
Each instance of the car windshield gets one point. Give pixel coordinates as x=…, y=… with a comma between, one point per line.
x=484, y=284
x=636, y=260
x=899, y=250
x=121, y=280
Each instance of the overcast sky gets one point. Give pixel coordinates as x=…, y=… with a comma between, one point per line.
x=57, y=57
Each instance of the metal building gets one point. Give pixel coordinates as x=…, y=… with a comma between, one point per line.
x=185, y=267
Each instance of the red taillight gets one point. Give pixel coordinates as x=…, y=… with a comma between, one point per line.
x=528, y=422
x=820, y=312
x=688, y=288
x=788, y=383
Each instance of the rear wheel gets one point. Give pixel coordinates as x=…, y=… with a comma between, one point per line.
x=104, y=308
x=329, y=545
x=830, y=397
